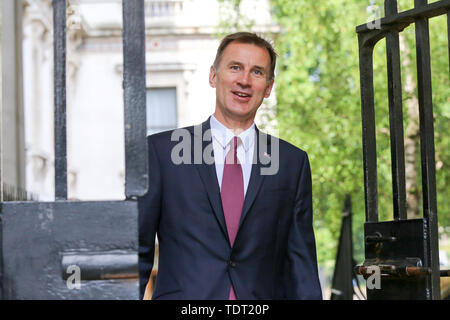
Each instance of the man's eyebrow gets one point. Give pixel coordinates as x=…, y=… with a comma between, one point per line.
x=259, y=68
x=234, y=62
x=240, y=63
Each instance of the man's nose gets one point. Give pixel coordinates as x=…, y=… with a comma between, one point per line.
x=245, y=79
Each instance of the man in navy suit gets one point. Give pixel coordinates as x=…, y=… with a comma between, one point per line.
x=230, y=205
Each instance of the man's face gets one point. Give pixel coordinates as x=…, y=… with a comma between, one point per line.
x=241, y=81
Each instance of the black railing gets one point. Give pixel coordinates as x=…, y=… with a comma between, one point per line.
x=13, y=193
x=59, y=51
x=389, y=28
x=134, y=98
x=100, y=237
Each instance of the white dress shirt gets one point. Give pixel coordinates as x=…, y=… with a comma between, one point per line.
x=221, y=138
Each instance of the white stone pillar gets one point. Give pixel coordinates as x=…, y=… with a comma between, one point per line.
x=12, y=123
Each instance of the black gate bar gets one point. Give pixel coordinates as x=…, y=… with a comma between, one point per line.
x=368, y=127
x=427, y=145
x=396, y=116
x=134, y=98
x=60, y=132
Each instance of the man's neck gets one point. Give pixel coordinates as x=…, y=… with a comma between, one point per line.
x=236, y=126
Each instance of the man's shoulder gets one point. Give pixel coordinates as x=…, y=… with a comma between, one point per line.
x=285, y=146
x=170, y=135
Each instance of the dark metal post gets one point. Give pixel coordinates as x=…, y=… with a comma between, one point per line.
x=59, y=46
x=342, y=284
x=134, y=98
x=368, y=129
x=427, y=146
x=396, y=116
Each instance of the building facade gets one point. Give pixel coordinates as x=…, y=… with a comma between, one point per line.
x=181, y=40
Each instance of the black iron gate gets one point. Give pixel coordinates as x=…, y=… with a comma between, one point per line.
x=46, y=245
x=404, y=252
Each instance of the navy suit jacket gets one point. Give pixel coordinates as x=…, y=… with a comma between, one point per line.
x=274, y=254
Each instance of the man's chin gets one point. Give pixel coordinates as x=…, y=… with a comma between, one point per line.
x=242, y=115
x=242, y=111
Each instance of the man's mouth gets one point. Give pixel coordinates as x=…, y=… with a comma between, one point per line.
x=241, y=94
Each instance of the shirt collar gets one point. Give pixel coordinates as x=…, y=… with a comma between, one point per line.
x=223, y=135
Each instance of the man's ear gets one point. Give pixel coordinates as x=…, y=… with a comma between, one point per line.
x=269, y=89
x=212, y=77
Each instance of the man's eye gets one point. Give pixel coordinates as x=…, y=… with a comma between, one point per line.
x=235, y=67
x=258, y=72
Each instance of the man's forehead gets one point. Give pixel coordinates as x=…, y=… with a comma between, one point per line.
x=245, y=52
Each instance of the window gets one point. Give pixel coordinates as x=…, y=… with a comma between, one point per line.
x=161, y=109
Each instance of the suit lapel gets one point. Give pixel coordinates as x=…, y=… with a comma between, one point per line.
x=256, y=178
x=208, y=174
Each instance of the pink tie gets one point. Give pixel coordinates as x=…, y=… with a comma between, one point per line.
x=232, y=194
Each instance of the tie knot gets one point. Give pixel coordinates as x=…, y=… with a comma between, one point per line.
x=235, y=143
x=232, y=153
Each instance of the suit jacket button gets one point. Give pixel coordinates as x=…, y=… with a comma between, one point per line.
x=232, y=264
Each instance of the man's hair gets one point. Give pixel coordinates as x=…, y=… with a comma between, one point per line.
x=249, y=38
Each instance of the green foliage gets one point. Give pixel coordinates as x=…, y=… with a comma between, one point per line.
x=317, y=89
x=319, y=109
